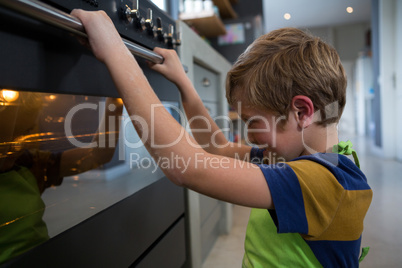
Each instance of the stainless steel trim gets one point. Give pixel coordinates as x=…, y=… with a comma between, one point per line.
x=53, y=16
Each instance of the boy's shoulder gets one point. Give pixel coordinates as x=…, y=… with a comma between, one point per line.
x=310, y=167
x=331, y=161
x=341, y=167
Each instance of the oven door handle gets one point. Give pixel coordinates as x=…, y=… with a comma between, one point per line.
x=53, y=16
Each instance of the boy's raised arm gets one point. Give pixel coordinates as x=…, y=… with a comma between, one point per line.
x=204, y=128
x=184, y=162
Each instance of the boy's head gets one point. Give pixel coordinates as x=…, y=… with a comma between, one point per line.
x=285, y=63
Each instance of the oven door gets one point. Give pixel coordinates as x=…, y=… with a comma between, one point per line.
x=77, y=186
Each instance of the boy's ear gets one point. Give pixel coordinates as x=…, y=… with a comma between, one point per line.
x=303, y=108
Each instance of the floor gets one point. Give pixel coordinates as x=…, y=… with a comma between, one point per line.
x=382, y=233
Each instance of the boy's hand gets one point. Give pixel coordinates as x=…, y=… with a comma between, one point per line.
x=103, y=37
x=171, y=67
x=107, y=45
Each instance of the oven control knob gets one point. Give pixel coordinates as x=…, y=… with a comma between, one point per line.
x=178, y=39
x=131, y=14
x=149, y=24
x=140, y=24
x=159, y=29
x=169, y=36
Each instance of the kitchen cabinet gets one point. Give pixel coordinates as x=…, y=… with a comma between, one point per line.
x=207, y=218
x=207, y=23
x=225, y=9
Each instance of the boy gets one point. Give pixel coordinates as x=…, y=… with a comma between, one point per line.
x=290, y=89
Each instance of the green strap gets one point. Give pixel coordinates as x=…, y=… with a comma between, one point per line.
x=345, y=148
x=365, y=251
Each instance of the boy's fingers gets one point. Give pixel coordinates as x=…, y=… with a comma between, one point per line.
x=82, y=40
x=156, y=67
x=151, y=65
x=158, y=50
x=77, y=13
x=163, y=52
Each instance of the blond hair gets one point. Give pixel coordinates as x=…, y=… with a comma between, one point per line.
x=285, y=63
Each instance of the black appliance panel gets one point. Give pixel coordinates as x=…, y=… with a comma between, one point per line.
x=35, y=56
x=120, y=236
x=48, y=59
x=134, y=30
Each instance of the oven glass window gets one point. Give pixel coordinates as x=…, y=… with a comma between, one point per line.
x=64, y=158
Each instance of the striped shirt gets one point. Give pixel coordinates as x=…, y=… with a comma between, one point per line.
x=320, y=202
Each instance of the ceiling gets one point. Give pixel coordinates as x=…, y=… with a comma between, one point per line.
x=314, y=13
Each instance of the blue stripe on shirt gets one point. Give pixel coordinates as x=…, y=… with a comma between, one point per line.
x=336, y=253
x=256, y=155
x=288, y=199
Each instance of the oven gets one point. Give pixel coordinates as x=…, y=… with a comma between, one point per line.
x=77, y=186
